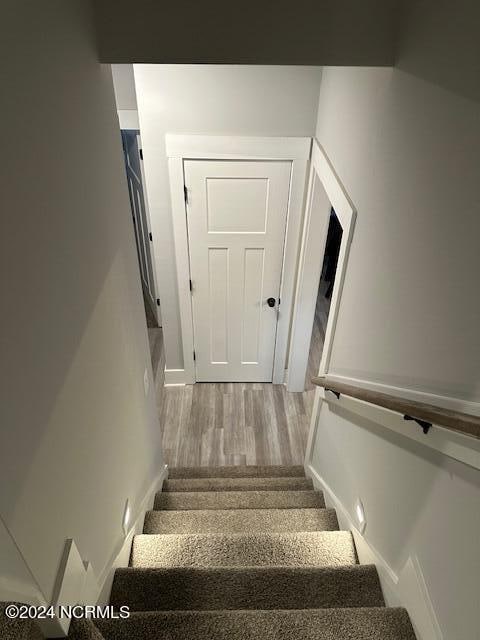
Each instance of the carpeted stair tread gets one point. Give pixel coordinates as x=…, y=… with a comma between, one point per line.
x=238, y=484
x=246, y=553
x=84, y=629
x=240, y=520
x=310, y=624
x=239, y=500
x=251, y=471
x=17, y=628
x=246, y=588
x=307, y=549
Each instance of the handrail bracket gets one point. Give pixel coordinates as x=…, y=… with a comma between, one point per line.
x=335, y=393
x=423, y=423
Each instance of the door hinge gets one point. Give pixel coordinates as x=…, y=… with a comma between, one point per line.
x=194, y=356
x=185, y=194
x=150, y=236
x=191, y=286
x=158, y=302
x=140, y=151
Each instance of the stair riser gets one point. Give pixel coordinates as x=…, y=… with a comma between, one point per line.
x=237, y=472
x=240, y=500
x=238, y=484
x=233, y=588
x=240, y=521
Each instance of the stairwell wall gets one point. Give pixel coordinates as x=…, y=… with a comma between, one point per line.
x=408, y=153
x=79, y=433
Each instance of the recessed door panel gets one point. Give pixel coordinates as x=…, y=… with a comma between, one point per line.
x=252, y=305
x=218, y=304
x=237, y=205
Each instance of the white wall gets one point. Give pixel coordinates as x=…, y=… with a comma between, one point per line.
x=217, y=100
x=78, y=434
x=408, y=154
x=419, y=506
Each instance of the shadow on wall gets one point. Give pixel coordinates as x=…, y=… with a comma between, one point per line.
x=439, y=43
x=417, y=486
x=75, y=344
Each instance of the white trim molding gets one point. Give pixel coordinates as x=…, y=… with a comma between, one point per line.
x=182, y=259
x=453, y=444
x=77, y=582
x=121, y=553
x=236, y=147
x=175, y=378
x=450, y=443
x=128, y=119
x=446, y=402
x=187, y=147
x=310, y=266
x=404, y=588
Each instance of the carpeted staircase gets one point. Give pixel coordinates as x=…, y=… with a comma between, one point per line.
x=246, y=553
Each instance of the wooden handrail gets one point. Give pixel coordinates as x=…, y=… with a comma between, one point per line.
x=424, y=414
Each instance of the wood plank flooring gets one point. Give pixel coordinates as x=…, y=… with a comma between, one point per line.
x=214, y=424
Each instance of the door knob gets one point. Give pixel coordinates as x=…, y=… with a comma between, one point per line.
x=271, y=302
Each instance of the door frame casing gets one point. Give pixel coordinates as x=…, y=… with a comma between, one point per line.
x=310, y=266
x=157, y=311
x=150, y=246
x=198, y=147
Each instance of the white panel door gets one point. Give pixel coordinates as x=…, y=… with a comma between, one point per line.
x=236, y=212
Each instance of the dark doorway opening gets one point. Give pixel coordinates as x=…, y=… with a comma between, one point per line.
x=324, y=296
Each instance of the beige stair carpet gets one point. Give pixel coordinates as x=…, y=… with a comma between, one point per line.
x=251, y=471
x=301, y=549
x=240, y=520
x=238, y=484
x=308, y=624
x=247, y=588
x=17, y=628
x=239, y=500
x=246, y=553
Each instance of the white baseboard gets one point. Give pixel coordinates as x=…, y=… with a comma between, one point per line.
x=446, y=402
x=121, y=555
x=77, y=582
x=405, y=588
x=175, y=378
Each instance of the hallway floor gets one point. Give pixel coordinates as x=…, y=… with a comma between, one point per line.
x=215, y=424
x=234, y=424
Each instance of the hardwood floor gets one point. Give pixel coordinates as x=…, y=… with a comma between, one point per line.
x=214, y=424
x=155, y=339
